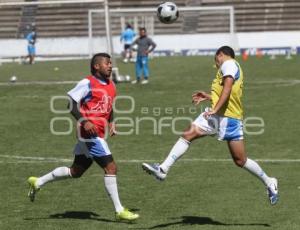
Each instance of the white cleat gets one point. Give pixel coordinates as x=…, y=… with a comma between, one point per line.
x=144, y=82
x=272, y=190
x=154, y=170
x=135, y=82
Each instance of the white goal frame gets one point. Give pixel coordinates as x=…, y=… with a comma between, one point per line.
x=53, y=2
x=230, y=9
x=50, y=2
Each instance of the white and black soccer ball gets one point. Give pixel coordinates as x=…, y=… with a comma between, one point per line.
x=13, y=79
x=167, y=12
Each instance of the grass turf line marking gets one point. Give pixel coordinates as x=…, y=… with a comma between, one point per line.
x=279, y=82
x=30, y=159
x=38, y=83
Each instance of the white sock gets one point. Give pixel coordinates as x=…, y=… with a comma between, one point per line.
x=110, y=182
x=56, y=174
x=257, y=171
x=176, y=152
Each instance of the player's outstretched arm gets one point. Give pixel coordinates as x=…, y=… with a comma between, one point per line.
x=200, y=96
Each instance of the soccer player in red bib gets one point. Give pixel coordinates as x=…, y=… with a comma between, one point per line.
x=91, y=103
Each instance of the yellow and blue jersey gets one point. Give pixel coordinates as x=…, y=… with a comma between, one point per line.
x=233, y=108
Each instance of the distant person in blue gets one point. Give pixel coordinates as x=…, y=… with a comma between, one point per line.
x=127, y=35
x=145, y=45
x=31, y=39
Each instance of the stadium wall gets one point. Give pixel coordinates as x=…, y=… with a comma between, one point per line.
x=198, y=44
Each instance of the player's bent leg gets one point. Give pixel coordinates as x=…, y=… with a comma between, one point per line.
x=80, y=164
x=36, y=183
x=107, y=163
x=77, y=171
x=159, y=171
x=193, y=132
x=237, y=151
x=239, y=156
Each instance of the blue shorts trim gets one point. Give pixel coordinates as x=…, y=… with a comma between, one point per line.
x=226, y=128
x=94, y=147
x=231, y=129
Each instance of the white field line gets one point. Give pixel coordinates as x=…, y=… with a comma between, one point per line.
x=25, y=96
x=275, y=83
x=280, y=82
x=38, y=83
x=29, y=159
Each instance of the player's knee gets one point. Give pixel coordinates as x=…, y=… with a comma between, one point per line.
x=185, y=135
x=240, y=162
x=111, y=169
x=192, y=133
x=76, y=172
x=188, y=134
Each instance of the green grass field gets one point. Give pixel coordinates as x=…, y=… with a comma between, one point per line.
x=198, y=193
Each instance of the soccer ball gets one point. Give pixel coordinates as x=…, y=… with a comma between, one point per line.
x=167, y=12
x=13, y=79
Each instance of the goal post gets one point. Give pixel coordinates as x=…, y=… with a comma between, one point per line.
x=61, y=27
x=23, y=3
x=107, y=29
x=196, y=18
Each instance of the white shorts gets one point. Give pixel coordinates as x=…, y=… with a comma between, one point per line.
x=94, y=147
x=227, y=128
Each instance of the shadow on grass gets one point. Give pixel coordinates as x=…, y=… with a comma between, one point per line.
x=79, y=215
x=197, y=220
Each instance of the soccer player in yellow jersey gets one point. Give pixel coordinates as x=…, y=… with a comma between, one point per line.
x=224, y=119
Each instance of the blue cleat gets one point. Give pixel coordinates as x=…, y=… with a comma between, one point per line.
x=273, y=191
x=154, y=170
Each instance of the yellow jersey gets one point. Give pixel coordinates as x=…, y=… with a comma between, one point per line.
x=233, y=108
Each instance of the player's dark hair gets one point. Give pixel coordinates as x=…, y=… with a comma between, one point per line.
x=143, y=28
x=128, y=26
x=94, y=60
x=226, y=50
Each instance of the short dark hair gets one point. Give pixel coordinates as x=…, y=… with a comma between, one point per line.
x=94, y=60
x=128, y=26
x=227, y=50
x=143, y=28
